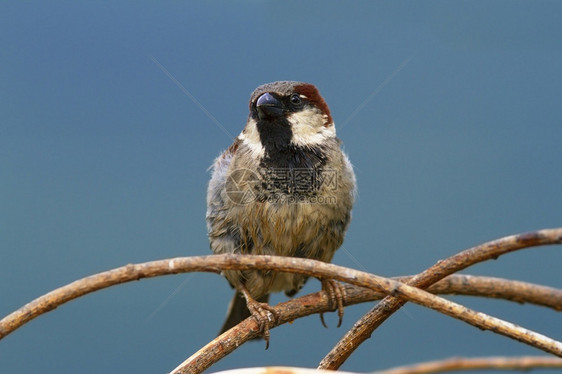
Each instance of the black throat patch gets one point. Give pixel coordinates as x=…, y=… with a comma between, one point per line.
x=286, y=168
x=275, y=136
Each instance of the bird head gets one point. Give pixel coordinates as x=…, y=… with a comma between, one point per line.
x=286, y=114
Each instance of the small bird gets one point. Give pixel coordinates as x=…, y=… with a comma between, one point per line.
x=283, y=188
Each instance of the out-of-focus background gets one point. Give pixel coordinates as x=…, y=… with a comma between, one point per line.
x=111, y=113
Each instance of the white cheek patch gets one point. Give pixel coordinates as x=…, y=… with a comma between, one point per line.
x=251, y=138
x=308, y=127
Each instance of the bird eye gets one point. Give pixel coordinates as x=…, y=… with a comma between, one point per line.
x=296, y=100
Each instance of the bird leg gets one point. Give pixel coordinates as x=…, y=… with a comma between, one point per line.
x=336, y=295
x=261, y=313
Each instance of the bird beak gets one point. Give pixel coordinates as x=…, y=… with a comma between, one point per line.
x=269, y=106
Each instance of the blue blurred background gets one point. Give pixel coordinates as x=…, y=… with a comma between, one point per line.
x=450, y=112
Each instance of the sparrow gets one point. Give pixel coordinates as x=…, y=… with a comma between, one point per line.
x=283, y=188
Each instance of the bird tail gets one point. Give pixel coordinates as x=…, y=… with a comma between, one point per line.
x=238, y=311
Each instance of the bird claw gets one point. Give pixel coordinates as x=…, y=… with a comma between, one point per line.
x=263, y=314
x=336, y=295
